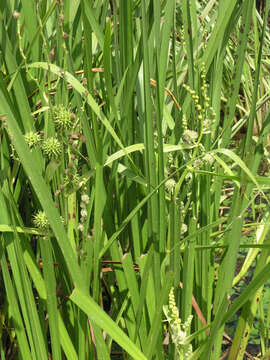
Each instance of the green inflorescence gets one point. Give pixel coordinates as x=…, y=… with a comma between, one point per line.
x=62, y=118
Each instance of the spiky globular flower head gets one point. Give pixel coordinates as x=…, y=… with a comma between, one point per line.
x=52, y=147
x=190, y=136
x=170, y=185
x=207, y=123
x=40, y=220
x=209, y=159
x=62, y=118
x=32, y=139
x=197, y=164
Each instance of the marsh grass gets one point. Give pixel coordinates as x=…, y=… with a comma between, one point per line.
x=134, y=149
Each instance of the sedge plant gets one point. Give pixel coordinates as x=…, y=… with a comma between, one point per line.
x=134, y=187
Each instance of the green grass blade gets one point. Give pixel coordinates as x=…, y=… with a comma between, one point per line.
x=105, y=322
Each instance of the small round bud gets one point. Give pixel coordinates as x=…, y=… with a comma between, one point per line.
x=72, y=116
x=85, y=198
x=84, y=213
x=16, y=14
x=80, y=227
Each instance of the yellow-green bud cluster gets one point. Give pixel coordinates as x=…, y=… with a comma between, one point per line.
x=204, y=36
x=178, y=330
x=182, y=36
x=184, y=122
x=192, y=93
x=205, y=113
x=209, y=112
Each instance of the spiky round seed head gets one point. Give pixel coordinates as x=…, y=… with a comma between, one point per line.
x=40, y=220
x=62, y=118
x=32, y=139
x=52, y=148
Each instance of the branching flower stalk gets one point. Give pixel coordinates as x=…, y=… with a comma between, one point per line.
x=83, y=213
x=205, y=118
x=178, y=330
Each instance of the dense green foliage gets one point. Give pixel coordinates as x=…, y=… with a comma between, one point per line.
x=134, y=173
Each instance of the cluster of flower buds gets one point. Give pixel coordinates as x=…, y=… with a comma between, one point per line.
x=205, y=113
x=83, y=205
x=178, y=330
